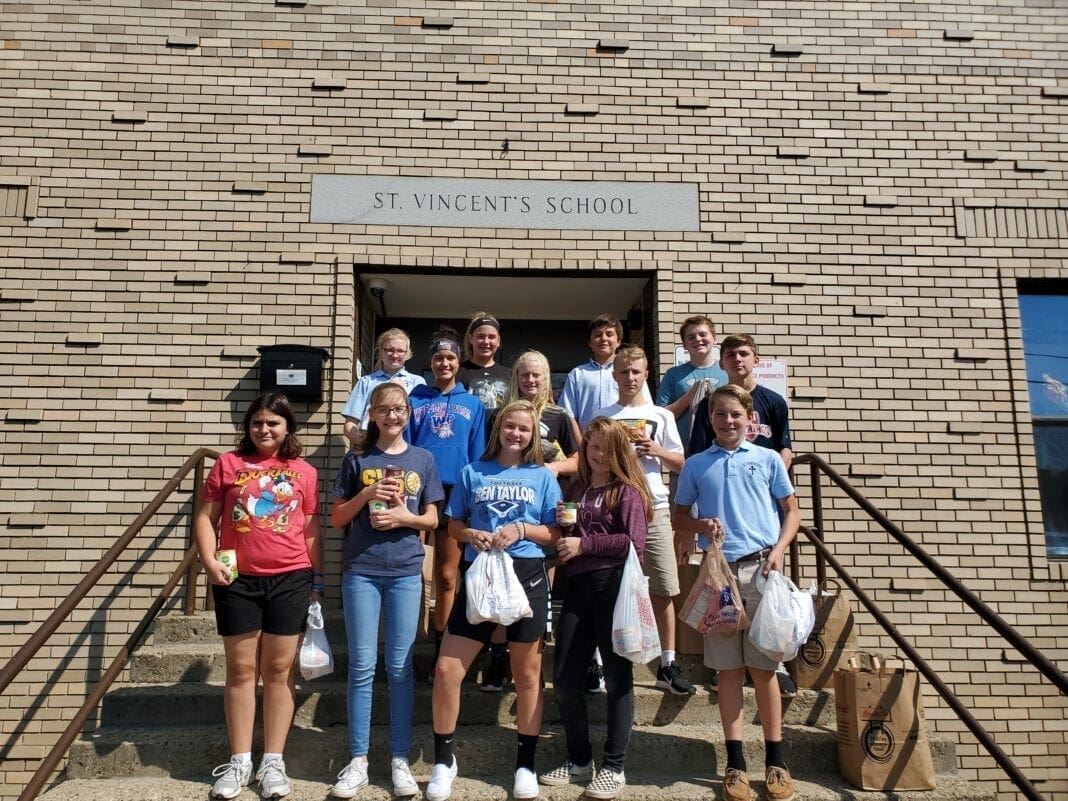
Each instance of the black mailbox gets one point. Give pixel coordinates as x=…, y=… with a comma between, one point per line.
x=296, y=370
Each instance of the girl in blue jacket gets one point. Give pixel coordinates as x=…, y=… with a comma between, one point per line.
x=449, y=422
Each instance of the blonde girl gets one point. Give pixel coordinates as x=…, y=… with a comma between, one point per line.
x=531, y=380
x=392, y=351
x=505, y=500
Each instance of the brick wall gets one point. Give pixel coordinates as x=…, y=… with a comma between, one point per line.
x=874, y=177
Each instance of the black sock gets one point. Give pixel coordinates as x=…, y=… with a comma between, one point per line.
x=524, y=755
x=735, y=755
x=773, y=754
x=443, y=748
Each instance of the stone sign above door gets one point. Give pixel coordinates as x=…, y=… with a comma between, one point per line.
x=477, y=203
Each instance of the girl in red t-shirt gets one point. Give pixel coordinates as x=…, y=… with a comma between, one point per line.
x=261, y=501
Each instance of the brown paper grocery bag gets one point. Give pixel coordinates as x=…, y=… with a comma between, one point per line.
x=882, y=736
x=714, y=602
x=832, y=642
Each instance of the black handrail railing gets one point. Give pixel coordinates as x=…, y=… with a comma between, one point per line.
x=988, y=615
x=188, y=568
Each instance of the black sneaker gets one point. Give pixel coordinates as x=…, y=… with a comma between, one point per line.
x=787, y=687
x=670, y=678
x=495, y=676
x=594, y=679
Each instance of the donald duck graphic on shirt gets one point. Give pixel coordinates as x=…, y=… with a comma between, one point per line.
x=266, y=503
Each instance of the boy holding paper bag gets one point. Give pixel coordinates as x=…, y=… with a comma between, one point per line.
x=739, y=489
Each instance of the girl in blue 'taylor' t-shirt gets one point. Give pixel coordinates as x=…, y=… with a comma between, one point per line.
x=506, y=500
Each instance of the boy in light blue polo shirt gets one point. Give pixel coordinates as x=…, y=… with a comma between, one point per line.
x=739, y=488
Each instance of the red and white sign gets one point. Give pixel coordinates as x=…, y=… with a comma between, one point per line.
x=771, y=373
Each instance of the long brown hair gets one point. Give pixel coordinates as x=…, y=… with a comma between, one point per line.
x=373, y=432
x=621, y=460
x=275, y=403
x=531, y=453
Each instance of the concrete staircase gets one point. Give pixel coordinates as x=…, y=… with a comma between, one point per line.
x=160, y=736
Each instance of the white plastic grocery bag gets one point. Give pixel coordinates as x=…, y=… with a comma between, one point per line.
x=634, y=634
x=494, y=593
x=316, y=658
x=784, y=618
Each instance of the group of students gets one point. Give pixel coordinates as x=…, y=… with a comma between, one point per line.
x=484, y=459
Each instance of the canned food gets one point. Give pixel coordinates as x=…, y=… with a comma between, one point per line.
x=570, y=514
x=228, y=559
x=392, y=471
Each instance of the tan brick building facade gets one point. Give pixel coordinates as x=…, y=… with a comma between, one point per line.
x=874, y=179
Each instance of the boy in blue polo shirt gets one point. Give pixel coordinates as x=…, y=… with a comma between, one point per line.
x=739, y=489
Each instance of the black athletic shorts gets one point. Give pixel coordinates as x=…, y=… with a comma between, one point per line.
x=535, y=580
x=271, y=604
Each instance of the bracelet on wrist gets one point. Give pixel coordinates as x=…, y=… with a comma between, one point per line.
x=318, y=587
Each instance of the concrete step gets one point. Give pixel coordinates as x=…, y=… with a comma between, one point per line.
x=639, y=788
x=483, y=750
x=199, y=661
x=322, y=703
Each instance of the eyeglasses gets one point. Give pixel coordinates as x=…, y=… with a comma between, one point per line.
x=395, y=351
x=386, y=411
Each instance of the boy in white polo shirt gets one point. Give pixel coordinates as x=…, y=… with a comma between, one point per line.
x=740, y=488
x=657, y=443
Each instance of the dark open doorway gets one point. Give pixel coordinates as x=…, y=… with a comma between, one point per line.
x=546, y=312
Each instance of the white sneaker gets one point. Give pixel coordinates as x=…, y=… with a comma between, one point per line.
x=404, y=784
x=526, y=784
x=234, y=775
x=440, y=786
x=273, y=780
x=352, y=779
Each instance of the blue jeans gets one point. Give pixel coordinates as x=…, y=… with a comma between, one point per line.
x=365, y=597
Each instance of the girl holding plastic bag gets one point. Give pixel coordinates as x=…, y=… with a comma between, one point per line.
x=507, y=500
x=261, y=507
x=385, y=494
x=613, y=513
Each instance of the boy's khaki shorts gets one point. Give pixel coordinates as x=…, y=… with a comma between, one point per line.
x=658, y=561
x=733, y=651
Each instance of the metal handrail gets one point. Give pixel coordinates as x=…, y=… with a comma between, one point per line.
x=187, y=569
x=989, y=616
x=103, y=684
x=824, y=557
x=48, y=628
x=969, y=720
